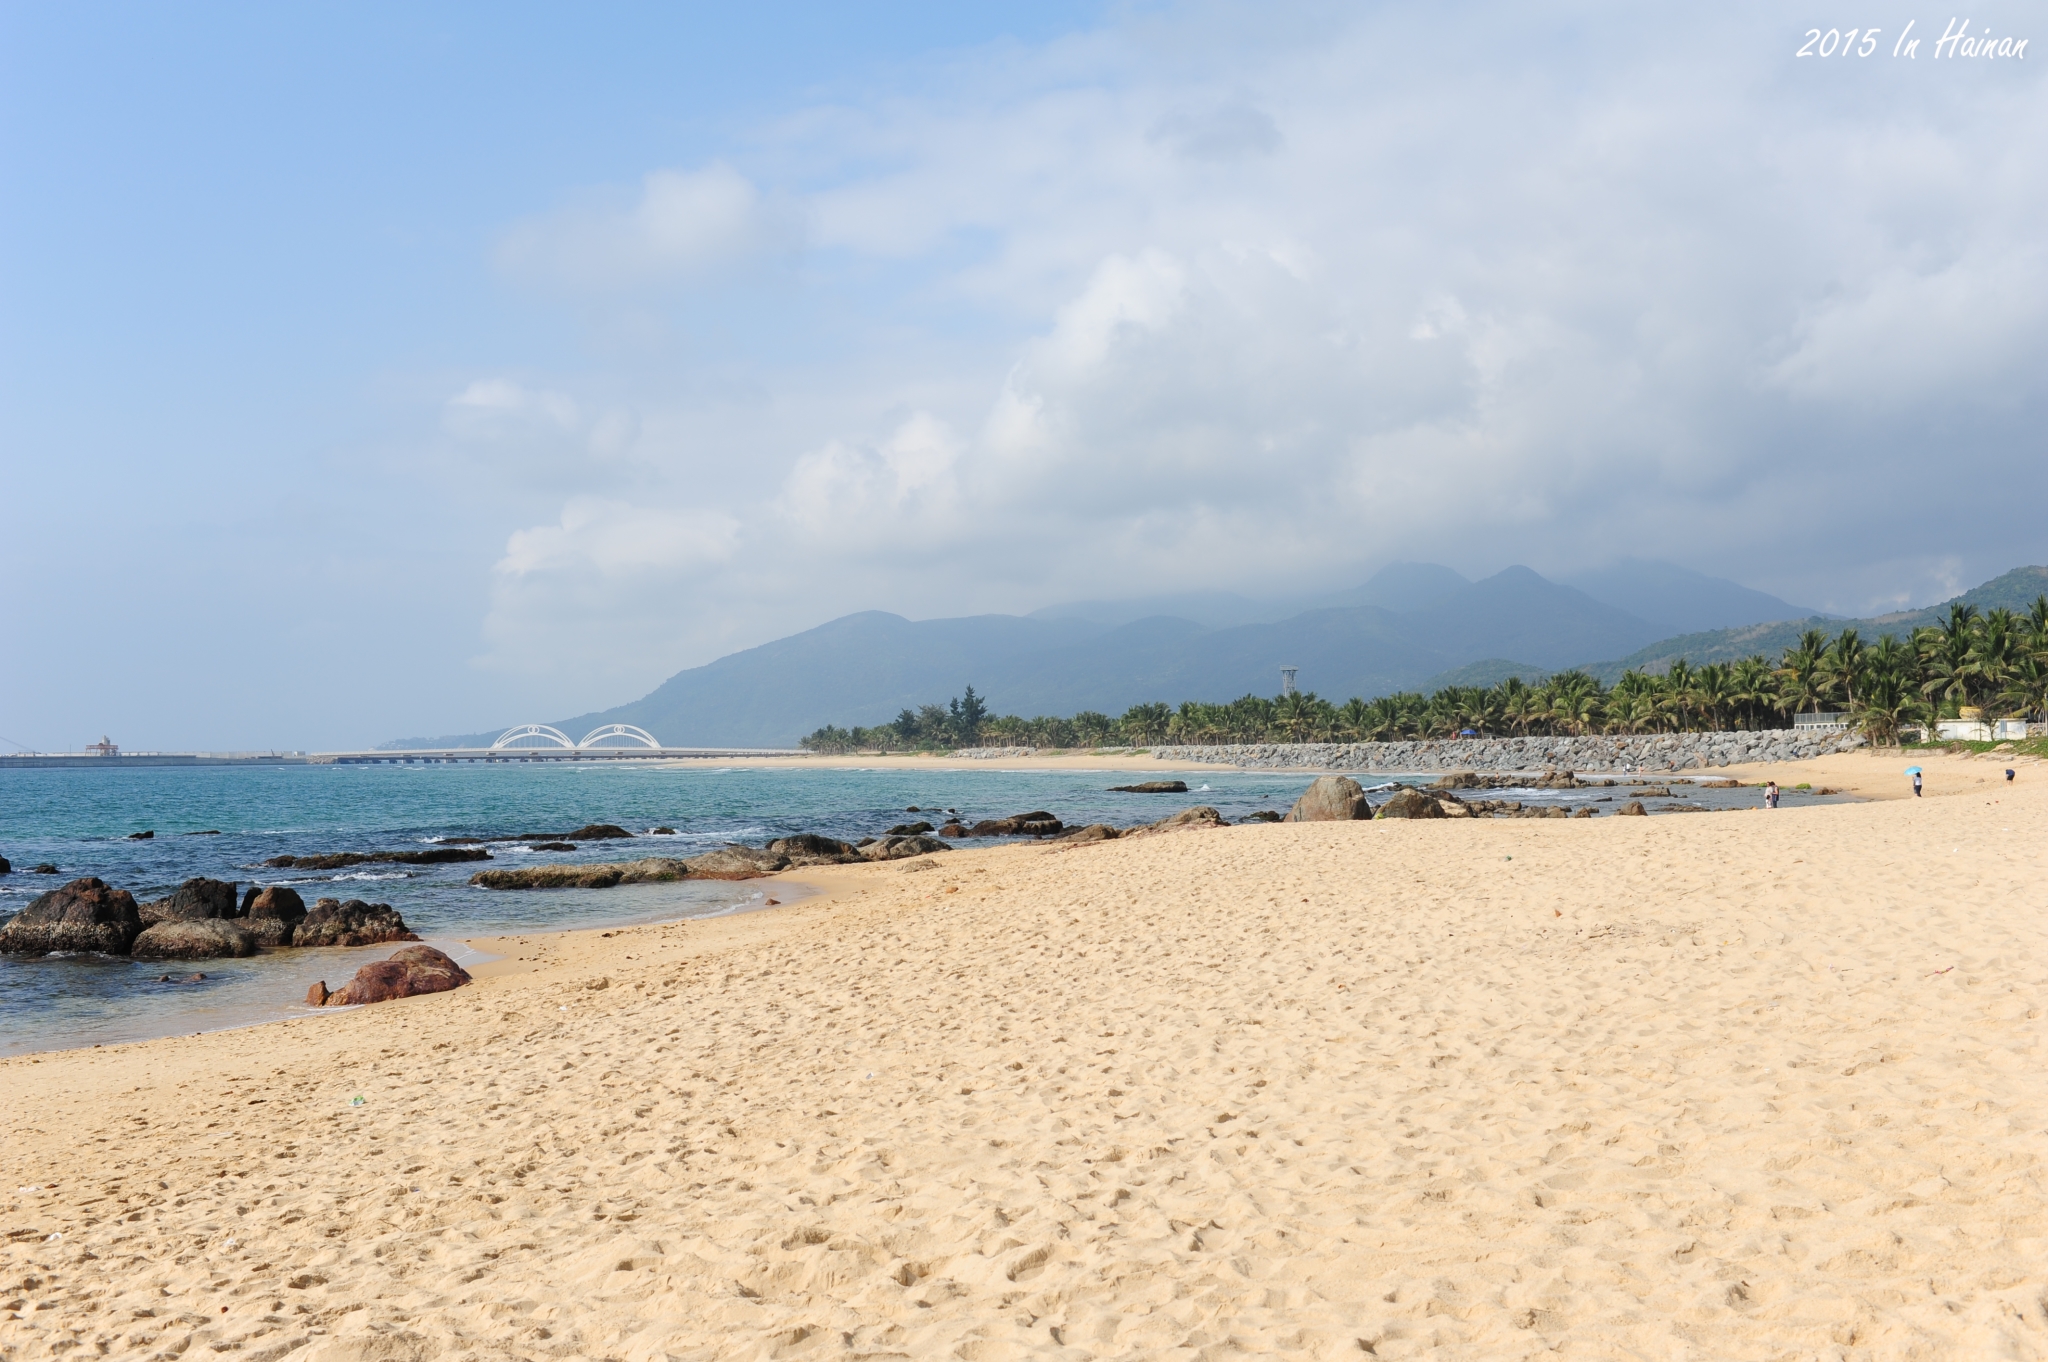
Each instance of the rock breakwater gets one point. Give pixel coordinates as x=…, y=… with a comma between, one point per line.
x=1633, y=752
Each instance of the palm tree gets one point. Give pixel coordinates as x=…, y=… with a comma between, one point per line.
x=1886, y=705
x=1575, y=701
x=1843, y=665
x=1947, y=675
x=1754, y=686
x=1144, y=725
x=1799, y=672
x=1713, y=693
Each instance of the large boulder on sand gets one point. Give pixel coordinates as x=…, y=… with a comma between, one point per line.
x=355, y=923
x=737, y=863
x=1410, y=804
x=196, y=900
x=1330, y=799
x=407, y=974
x=900, y=848
x=1037, y=823
x=1094, y=832
x=808, y=848
x=196, y=939
x=84, y=915
x=1633, y=809
x=271, y=913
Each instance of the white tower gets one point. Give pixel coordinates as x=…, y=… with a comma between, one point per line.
x=1287, y=680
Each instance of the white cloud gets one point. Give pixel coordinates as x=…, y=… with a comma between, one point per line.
x=618, y=539
x=1267, y=305
x=683, y=226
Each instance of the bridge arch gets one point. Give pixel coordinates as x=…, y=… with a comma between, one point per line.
x=626, y=731
x=551, y=737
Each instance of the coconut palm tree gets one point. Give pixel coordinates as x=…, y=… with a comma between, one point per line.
x=1799, y=672
x=1713, y=694
x=1843, y=665
x=1755, y=687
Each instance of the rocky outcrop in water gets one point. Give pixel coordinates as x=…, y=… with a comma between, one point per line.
x=1406, y=803
x=339, y=860
x=650, y=870
x=808, y=848
x=1330, y=799
x=407, y=974
x=270, y=915
x=1094, y=832
x=1633, y=752
x=901, y=848
x=192, y=939
x=196, y=900
x=1152, y=787
x=84, y=915
x=1037, y=823
x=331, y=922
x=737, y=863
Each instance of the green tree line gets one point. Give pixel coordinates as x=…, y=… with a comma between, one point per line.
x=1995, y=662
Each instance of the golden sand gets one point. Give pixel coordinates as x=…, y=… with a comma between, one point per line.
x=1750, y=1085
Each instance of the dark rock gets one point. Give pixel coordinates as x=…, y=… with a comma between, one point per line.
x=1544, y=811
x=407, y=974
x=913, y=809
x=1633, y=809
x=865, y=842
x=463, y=841
x=210, y=832
x=1038, y=823
x=1461, y=780
x=196, y=900
x=808, y=848
x=1330, y=799
x=141, y=836
x=1652, y=792
x=898, y=848
x=270, y=915
x=1094, y=832
x=1265, y=816
x=192, y=939
x=661, y=832
x=909, y=829
x=952, y=830
x=84, y=915
x=355, y=923
x=1152, y=787
x=737, y=863
x=5, y=868
x=1406, y=803
x=1556, y=780
x=338, y=860
x=554, y=846
x=1588, y=811
x=649, y=870
x=1682, y=808
x=596, y=832
x=46, y=868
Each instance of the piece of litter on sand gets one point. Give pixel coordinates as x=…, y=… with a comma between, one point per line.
x=56, y=1238
x=355, y=1101
x=563, y=1008
x=26, y=1191
x=1939, y=971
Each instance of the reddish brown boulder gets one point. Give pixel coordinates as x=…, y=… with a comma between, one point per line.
x=84, y=915
x=271, y=914
x=407, y=974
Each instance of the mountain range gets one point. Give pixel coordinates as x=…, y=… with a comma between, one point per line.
x=1413, y=626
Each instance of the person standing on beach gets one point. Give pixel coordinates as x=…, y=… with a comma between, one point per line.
x=1771, y=795
x=1916, y=785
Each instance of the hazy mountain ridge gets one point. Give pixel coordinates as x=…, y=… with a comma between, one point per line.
x=1412, y=626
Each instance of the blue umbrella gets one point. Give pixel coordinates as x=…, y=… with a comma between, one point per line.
x=1912, y=770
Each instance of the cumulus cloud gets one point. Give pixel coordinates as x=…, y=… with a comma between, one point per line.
x=1268, y=305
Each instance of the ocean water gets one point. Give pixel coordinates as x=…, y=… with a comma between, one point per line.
x=224, y=822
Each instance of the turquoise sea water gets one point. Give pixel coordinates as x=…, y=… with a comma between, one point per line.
x=80, y=820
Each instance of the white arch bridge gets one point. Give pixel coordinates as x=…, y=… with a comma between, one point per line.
x=546, y=736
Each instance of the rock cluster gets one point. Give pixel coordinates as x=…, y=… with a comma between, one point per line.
x=1616, y=752
x=1152, y=787
x=199, y=921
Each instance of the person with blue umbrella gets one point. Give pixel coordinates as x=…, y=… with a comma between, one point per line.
x=1914, y=772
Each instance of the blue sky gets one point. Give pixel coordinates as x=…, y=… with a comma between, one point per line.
x=369, y=372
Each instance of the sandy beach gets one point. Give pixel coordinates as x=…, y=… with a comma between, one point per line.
x=1748, y=1085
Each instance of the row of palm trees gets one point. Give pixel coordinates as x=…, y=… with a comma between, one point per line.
x=1995, y=662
